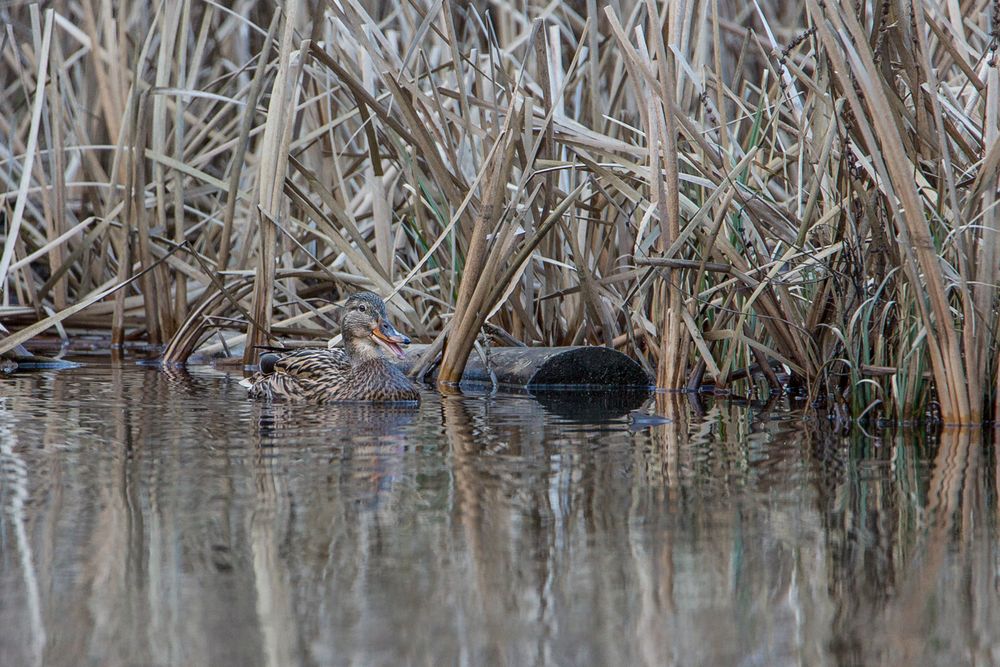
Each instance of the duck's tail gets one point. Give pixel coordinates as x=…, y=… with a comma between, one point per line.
x=267, y=362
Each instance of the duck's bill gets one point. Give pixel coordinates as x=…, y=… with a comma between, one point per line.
x=387, y=336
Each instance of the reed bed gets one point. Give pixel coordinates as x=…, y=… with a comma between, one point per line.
x=739, y=194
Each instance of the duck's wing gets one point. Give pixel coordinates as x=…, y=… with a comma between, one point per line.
x=307, y=362
x=298, y=374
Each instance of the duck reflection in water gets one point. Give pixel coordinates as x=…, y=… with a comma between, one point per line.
x=374, y=437
x=344, y=424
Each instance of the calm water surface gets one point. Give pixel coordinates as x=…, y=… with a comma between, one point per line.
x=154, y=518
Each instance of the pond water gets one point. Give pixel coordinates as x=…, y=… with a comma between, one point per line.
x=160, y=518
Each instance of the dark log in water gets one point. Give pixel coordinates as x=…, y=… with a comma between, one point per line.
x=34, y=362
x=537, y=367
x=20, y=359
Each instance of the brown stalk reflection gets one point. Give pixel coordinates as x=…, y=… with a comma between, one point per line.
x=484, y=517
x=267, y=521
x=14, y=475
x=956, y=507
x=654, y=560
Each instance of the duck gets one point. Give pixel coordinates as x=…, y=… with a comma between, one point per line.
x=361, y=370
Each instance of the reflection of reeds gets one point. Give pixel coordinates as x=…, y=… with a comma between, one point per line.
x=13, y=498
x=819, y=192
x=164, y=512
x=957, y=509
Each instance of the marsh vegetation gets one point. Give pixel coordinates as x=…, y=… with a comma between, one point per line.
x=708, y=185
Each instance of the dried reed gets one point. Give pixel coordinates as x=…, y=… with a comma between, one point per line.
x=711, y=186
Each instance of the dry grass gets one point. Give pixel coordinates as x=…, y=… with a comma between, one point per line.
x=706, y=185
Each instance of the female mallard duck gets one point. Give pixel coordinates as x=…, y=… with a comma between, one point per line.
x=358, y=372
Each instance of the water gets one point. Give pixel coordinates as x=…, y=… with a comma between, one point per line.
x=153, y=518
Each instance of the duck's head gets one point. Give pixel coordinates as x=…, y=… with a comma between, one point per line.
x=365, y=328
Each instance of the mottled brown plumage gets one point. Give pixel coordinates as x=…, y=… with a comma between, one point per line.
x=358, y=372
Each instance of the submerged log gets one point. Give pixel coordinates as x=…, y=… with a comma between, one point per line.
x=539, y=367
x=20, y=358
x=32, y=362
